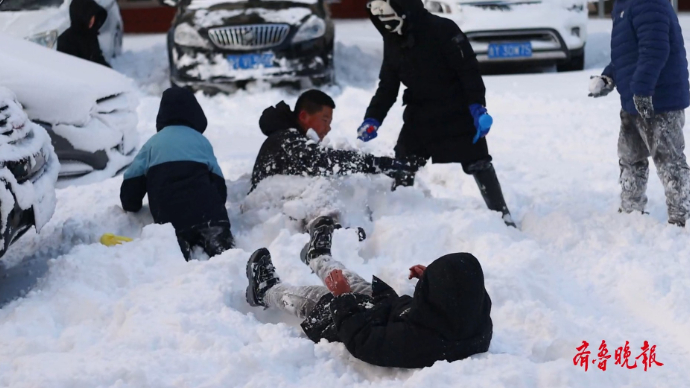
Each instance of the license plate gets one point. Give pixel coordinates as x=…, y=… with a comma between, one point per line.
x=251, y=61
x=510, y=50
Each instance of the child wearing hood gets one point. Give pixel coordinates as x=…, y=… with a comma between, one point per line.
x=81, y=39
x=447, y=319
x=179, y=172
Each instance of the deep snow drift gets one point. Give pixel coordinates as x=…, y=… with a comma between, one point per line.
x=137, y=315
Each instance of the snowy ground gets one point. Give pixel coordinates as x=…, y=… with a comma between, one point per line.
x=137, y=315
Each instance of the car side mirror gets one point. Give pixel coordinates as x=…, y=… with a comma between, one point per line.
x=169, y=3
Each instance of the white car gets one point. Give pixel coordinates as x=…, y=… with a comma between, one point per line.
x=528, y=31
x=28, y=172
x=42, y=22
x=89, y=110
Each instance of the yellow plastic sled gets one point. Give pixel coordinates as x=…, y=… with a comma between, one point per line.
x=110, y=240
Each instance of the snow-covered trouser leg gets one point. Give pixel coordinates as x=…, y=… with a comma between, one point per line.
x=664, y=132
x=662, y=138
x=323, y=265
x=632, y=158
x=298, y=301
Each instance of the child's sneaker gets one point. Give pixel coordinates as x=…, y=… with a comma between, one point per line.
x=261, y=275
x=321, y=236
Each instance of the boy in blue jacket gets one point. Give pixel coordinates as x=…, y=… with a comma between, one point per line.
x=649, y=68
x=180, y=174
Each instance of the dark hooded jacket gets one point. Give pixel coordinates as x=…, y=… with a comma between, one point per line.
x=177, y=168
x=80, y=40
x=287, y=151
x=447, y=319
x=436, y=63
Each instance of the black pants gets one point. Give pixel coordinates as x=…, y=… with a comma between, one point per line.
x=443, y=135
x=214, y=239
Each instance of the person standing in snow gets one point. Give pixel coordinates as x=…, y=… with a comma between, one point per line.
x=292, y=146
x=445, y=115
x=180, y=173
x=649, y=67
x=447, y=319
x=81, y=39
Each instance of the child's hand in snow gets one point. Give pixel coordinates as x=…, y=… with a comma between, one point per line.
x=417, y=271
x=337, y=283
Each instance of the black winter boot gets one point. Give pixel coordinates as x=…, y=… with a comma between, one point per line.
x=491, y=192
x=321, y=236
x=403, y=178
x=261, y=275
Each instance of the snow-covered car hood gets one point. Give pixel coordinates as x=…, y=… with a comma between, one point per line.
x=70, y=87
x=24, y=24
x=243, y=12
x=519, y=14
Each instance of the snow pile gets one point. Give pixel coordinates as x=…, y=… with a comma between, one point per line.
x=23, y=140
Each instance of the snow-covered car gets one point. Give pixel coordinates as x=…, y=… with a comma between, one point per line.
x=527, y=31
x=215, y=44
x=89, y=110
x=28, y=172
x=42, y=21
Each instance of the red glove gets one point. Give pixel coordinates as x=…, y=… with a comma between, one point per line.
x=417, y=271
x=337, y=283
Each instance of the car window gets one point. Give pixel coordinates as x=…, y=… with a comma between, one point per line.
x=28, y=5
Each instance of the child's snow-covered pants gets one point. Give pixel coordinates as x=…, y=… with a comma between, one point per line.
x=300, y=301
x=660, y=137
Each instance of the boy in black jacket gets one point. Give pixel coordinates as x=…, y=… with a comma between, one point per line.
x=445, y=107
x=81, y=39
x=180, y=173
x=292, y=146
x=447, y=319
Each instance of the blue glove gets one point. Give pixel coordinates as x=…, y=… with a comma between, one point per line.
x=367, y=131
x=482, y=121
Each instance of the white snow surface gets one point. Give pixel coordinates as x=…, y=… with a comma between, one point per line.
x=138, y=315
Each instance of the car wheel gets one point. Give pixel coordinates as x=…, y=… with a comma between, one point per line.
x=576, y=63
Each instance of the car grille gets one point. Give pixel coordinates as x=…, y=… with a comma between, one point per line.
x=249, y=37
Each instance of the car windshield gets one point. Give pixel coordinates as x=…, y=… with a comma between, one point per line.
x=28, y=5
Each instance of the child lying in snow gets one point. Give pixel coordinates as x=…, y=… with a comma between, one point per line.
x=447, y=319
x=180, y=173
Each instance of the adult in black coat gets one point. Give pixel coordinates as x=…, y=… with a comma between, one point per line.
x=180, y=173
x=444, y=98
x=448, y=318
x=292, y=146
x=81, y=39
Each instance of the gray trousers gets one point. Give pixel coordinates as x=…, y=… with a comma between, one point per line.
x=660, y=137
x=300, y=301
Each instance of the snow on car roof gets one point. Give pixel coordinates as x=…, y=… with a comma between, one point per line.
x=201, y=4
